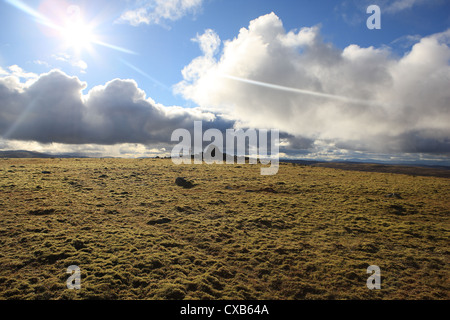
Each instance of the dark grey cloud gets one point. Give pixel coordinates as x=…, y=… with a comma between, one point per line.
x=53, y=109
x=414, y=141
x=297, y=142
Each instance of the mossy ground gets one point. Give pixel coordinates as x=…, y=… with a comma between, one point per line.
x=305, y=233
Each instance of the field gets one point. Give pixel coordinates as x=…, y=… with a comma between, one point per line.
x=305, y=233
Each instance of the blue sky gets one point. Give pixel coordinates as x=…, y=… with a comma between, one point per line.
x=152, y=42
x=163, y=49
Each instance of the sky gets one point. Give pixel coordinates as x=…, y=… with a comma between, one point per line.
x=117, y=77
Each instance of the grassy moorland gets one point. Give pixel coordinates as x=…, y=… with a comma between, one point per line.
x=305, y=233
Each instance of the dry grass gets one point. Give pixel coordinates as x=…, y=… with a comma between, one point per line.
x=306, y=233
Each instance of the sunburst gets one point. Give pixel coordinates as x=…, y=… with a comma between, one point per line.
x=76, y=33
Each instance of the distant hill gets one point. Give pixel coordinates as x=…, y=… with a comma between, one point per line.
x=33, y=154
x=412, y=170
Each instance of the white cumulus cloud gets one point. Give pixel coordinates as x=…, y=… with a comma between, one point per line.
x=356, y=98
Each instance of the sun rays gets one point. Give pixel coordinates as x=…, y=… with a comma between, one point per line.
x=69, y=25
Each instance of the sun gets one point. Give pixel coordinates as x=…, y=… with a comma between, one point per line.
x=76, y=33
x=77, y=36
